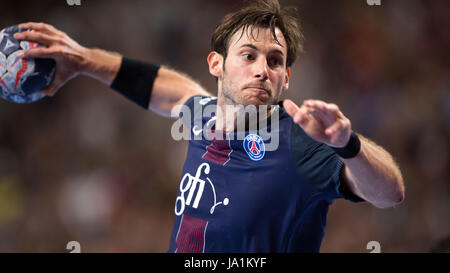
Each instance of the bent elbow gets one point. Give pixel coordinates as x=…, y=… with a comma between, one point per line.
x=398, y=198
x=400, y=192
x=394, y=199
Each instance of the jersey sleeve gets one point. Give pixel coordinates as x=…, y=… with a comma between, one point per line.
x=193, y=109
x=318, y=164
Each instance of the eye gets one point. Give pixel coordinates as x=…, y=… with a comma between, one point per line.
x=248, y=56
x=275, y=62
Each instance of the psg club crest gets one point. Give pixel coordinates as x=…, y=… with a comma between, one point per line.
x=254, y=146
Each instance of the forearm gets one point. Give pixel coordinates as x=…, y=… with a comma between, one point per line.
x=158, y=89
x=370, y=172
x=146, y=84
x=101, y=65
x=374, y=176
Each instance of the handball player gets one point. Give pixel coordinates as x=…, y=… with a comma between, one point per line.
x=243, y=194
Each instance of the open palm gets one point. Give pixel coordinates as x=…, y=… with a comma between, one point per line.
x=322, y=121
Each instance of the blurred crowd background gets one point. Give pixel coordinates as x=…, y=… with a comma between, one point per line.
x=87, y=165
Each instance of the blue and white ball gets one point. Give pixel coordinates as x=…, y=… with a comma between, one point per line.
x=21, y=79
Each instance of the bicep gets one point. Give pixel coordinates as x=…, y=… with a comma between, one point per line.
x=348, y=183
x=172, y=88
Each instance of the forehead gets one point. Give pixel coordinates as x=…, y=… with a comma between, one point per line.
x=258, y=36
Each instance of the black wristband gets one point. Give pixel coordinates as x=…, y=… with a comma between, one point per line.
x=351, y=149
x=135, y=80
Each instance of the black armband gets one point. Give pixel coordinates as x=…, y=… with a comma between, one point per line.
x=135, y=80
x=351, y=149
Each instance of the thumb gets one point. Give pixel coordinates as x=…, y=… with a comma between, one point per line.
x=52, y=88
x=290, y=107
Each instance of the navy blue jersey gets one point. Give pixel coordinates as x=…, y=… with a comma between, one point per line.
x=234, y=196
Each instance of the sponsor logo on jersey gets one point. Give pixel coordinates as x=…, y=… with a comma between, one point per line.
x=194, y=186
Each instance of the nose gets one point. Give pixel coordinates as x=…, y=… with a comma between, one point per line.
x=261, y=69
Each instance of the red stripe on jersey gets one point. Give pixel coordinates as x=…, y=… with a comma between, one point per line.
x=191, y=234
x=219, y=151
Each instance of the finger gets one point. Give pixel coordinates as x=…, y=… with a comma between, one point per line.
x=318, y=115
x=327, y=112
x=42, y=27
x=42, y=52
x=37, y=37
x=340, y=124
x=333, y=112
x=55, y=84
x=317, y=104
x=51, y=90
x=290, y=107
x=316, y=107
x=302, y=117
x=312, y=103
x=331, y=108
x=333, y=128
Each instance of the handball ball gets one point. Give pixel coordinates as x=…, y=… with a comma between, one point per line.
x=21, y=79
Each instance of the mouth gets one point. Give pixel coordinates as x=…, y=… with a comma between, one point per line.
x=259, y=89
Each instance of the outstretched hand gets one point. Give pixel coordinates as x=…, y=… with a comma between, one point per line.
x=322, y=121
x=67, y=53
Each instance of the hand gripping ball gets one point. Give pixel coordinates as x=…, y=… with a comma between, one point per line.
x=21, y=79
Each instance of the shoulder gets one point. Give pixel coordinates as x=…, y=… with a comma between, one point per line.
x=315, y=162
x=196, y=107
x=200, y=100
x=300, y=142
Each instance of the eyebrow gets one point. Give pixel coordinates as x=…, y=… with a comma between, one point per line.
x=255, y=48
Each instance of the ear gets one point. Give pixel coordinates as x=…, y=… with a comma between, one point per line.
x=215, y=62
x=288, y=75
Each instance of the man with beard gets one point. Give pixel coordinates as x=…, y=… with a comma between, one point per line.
x=236, y=195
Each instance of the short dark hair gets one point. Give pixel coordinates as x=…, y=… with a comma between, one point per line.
x=265, y=14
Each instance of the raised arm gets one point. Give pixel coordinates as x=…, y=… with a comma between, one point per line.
x=161, y=94
x=370, y=172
